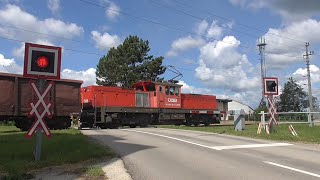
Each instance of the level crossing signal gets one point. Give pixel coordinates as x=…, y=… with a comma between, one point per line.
x=42, y=61
x=270, y=86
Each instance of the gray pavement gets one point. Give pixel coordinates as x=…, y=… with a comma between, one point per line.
x=156, y=153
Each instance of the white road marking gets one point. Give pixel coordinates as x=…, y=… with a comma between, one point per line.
x=251, y=146
x=218, y=148
x=293, y=169
x=177, y=139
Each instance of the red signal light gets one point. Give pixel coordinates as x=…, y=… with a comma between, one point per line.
x=42, y=62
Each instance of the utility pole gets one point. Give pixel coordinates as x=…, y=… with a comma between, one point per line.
x=262, y=44
x=309, y=80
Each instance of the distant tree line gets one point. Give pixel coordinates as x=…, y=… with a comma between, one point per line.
x=292, y=99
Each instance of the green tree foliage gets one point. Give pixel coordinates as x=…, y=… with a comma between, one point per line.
x=294, y=98
x=129, y=63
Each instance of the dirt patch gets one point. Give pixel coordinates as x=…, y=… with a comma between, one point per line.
x=69, y=171
x=112, y=168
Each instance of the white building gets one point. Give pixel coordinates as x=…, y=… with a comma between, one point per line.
x=236, y=105
x=222, y=105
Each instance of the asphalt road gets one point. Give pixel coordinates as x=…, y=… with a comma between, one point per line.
x=156, y=153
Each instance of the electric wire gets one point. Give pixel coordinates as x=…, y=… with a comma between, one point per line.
x=67, y=49
x=84, y=42
x=164, y=25
x=50, y=35
x=236, y=22
x=158, y=23
x=222, y=25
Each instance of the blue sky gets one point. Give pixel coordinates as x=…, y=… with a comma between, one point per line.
x=212, y=42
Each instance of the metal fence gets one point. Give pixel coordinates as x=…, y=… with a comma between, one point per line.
x=293, y=118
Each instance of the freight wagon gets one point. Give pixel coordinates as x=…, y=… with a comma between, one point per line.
x=16, y=94
x=145, y=103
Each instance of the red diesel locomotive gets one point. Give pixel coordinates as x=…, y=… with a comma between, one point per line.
x=144, y=104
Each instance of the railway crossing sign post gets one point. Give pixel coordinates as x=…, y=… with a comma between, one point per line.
x=43, y=63
x=40, y=114
x=271, y=90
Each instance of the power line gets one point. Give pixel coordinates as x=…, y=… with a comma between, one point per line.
x=170, y=27
x=224, y=26
x=273, y=53
x=84, y=42
x=227, y=19
x=160, y=24
x=35, y=32
x=157, y=23
x=186, y=69
x=67, y=49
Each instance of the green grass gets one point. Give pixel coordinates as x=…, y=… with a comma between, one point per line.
x=8, y=129
x=94, y=171
x=65, y=146
x=305, y=133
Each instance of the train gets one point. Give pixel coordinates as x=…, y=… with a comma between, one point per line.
x=16, y=95
x=146, y=103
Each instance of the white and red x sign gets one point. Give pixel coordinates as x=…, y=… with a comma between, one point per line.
x=41, y=113
x=272, y=110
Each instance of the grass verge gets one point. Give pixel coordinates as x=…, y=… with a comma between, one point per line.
x=305, y=133
x=94, y=171
x=65, y=146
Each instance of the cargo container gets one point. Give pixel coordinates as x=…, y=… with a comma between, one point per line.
x=16, y=95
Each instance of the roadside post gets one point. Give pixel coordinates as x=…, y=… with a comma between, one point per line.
x=263, y=119
x=42, y=63
x=239, y=120
x=310, y=119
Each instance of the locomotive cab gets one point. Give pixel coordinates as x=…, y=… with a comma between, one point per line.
x=161, y=94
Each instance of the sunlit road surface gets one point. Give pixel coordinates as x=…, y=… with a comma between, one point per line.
x=156, y=153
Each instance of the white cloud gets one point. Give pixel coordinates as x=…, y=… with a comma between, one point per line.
x=54, y=6
x=241, y=96
x=201, y=27
x=301, y=75
x=14, y=16
x=87, y=76
x=193, y=90
x=5, y=62
x=290, y=10
x=214, y=31
x=105, y=41
x=188, y=42
x=19, y=52
x=221, y=66
x=112, y=10
x=9, y=65
x=283, y=49
x=183, y=44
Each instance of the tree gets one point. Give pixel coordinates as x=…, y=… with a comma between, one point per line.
x=294, y=98
x=129, y=63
